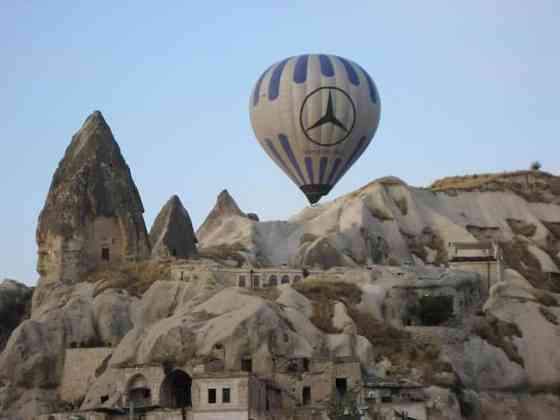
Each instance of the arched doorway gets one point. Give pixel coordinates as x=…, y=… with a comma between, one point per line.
x=285, y=279
x=176, y=390
x=273, y=280
x=139, y=393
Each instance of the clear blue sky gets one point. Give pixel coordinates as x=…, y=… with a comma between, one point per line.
x=466, y=87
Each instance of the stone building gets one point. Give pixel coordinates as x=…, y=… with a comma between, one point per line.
x=208, y=391
x=484, y=258
x=395, y=399
x=247, y=277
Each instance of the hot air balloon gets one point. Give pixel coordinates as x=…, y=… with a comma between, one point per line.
x=315, y=115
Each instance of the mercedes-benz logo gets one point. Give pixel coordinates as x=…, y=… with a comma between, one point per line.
x=336, y=97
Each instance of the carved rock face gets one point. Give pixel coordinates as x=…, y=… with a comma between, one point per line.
x=93, y=212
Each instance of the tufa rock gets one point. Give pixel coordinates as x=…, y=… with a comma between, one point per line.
x=225, y=207
x=172, y=233
x=93, y=212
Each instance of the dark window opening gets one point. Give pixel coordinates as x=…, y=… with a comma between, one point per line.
x=386, y=399
x=226, y=395
x=247, y=364
x=273, y=281
x=218, y=346
x=140, y=397
x=73, y=345
x=285, y=279
x=256, y=281
x=306, y=394
x=105, y=254
x=104, y=399
x=211, y=395
x=341, y=386
x=306, y=364
x=241, y=281
x=174, y=252
x=176, y=390
x=182, y=275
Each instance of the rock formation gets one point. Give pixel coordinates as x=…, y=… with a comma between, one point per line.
x=388, y=221
x=172, y=234
x=379, y=302
x=93, y=212
x=225, y=208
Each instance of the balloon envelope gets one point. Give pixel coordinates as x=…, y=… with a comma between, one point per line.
x=315, y=115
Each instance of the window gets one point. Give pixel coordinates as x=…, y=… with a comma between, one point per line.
x=273, y=280
x=256, y=281
x=226, y=395
x=306, y=395
x=285, y=279
x=306, y=364
x=241, y=281
x=341, y=386
x=297, y=278
x=211, y=395
x=247, y=364
x=174, y=252
x=105, y=254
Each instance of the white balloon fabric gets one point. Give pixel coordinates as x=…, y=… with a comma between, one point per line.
x=315, y=115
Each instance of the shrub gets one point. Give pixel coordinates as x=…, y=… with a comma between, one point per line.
x=320, y=290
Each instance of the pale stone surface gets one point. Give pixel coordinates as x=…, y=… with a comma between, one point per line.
x=367, y=226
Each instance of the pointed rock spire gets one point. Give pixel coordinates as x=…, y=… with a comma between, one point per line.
x=172, y=233
x=93, y=212
x=225, y=207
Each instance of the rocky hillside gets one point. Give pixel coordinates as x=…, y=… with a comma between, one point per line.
x=390, y=222
x=384, y=298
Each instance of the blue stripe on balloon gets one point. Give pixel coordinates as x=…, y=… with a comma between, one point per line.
x=279, y=158
x=309, y=166
x=333, y=171
x=360, y=147
x=371, y=86
x=350, y=71
x=257, y=92
x=300, y=70
x=322, y=168
x=288, y=149
x=326, y=66
x=274, y=87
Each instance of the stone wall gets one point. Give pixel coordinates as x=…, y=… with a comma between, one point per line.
x=79, y=371
x=241, y=277
x=491, y=272
x=320, y=379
